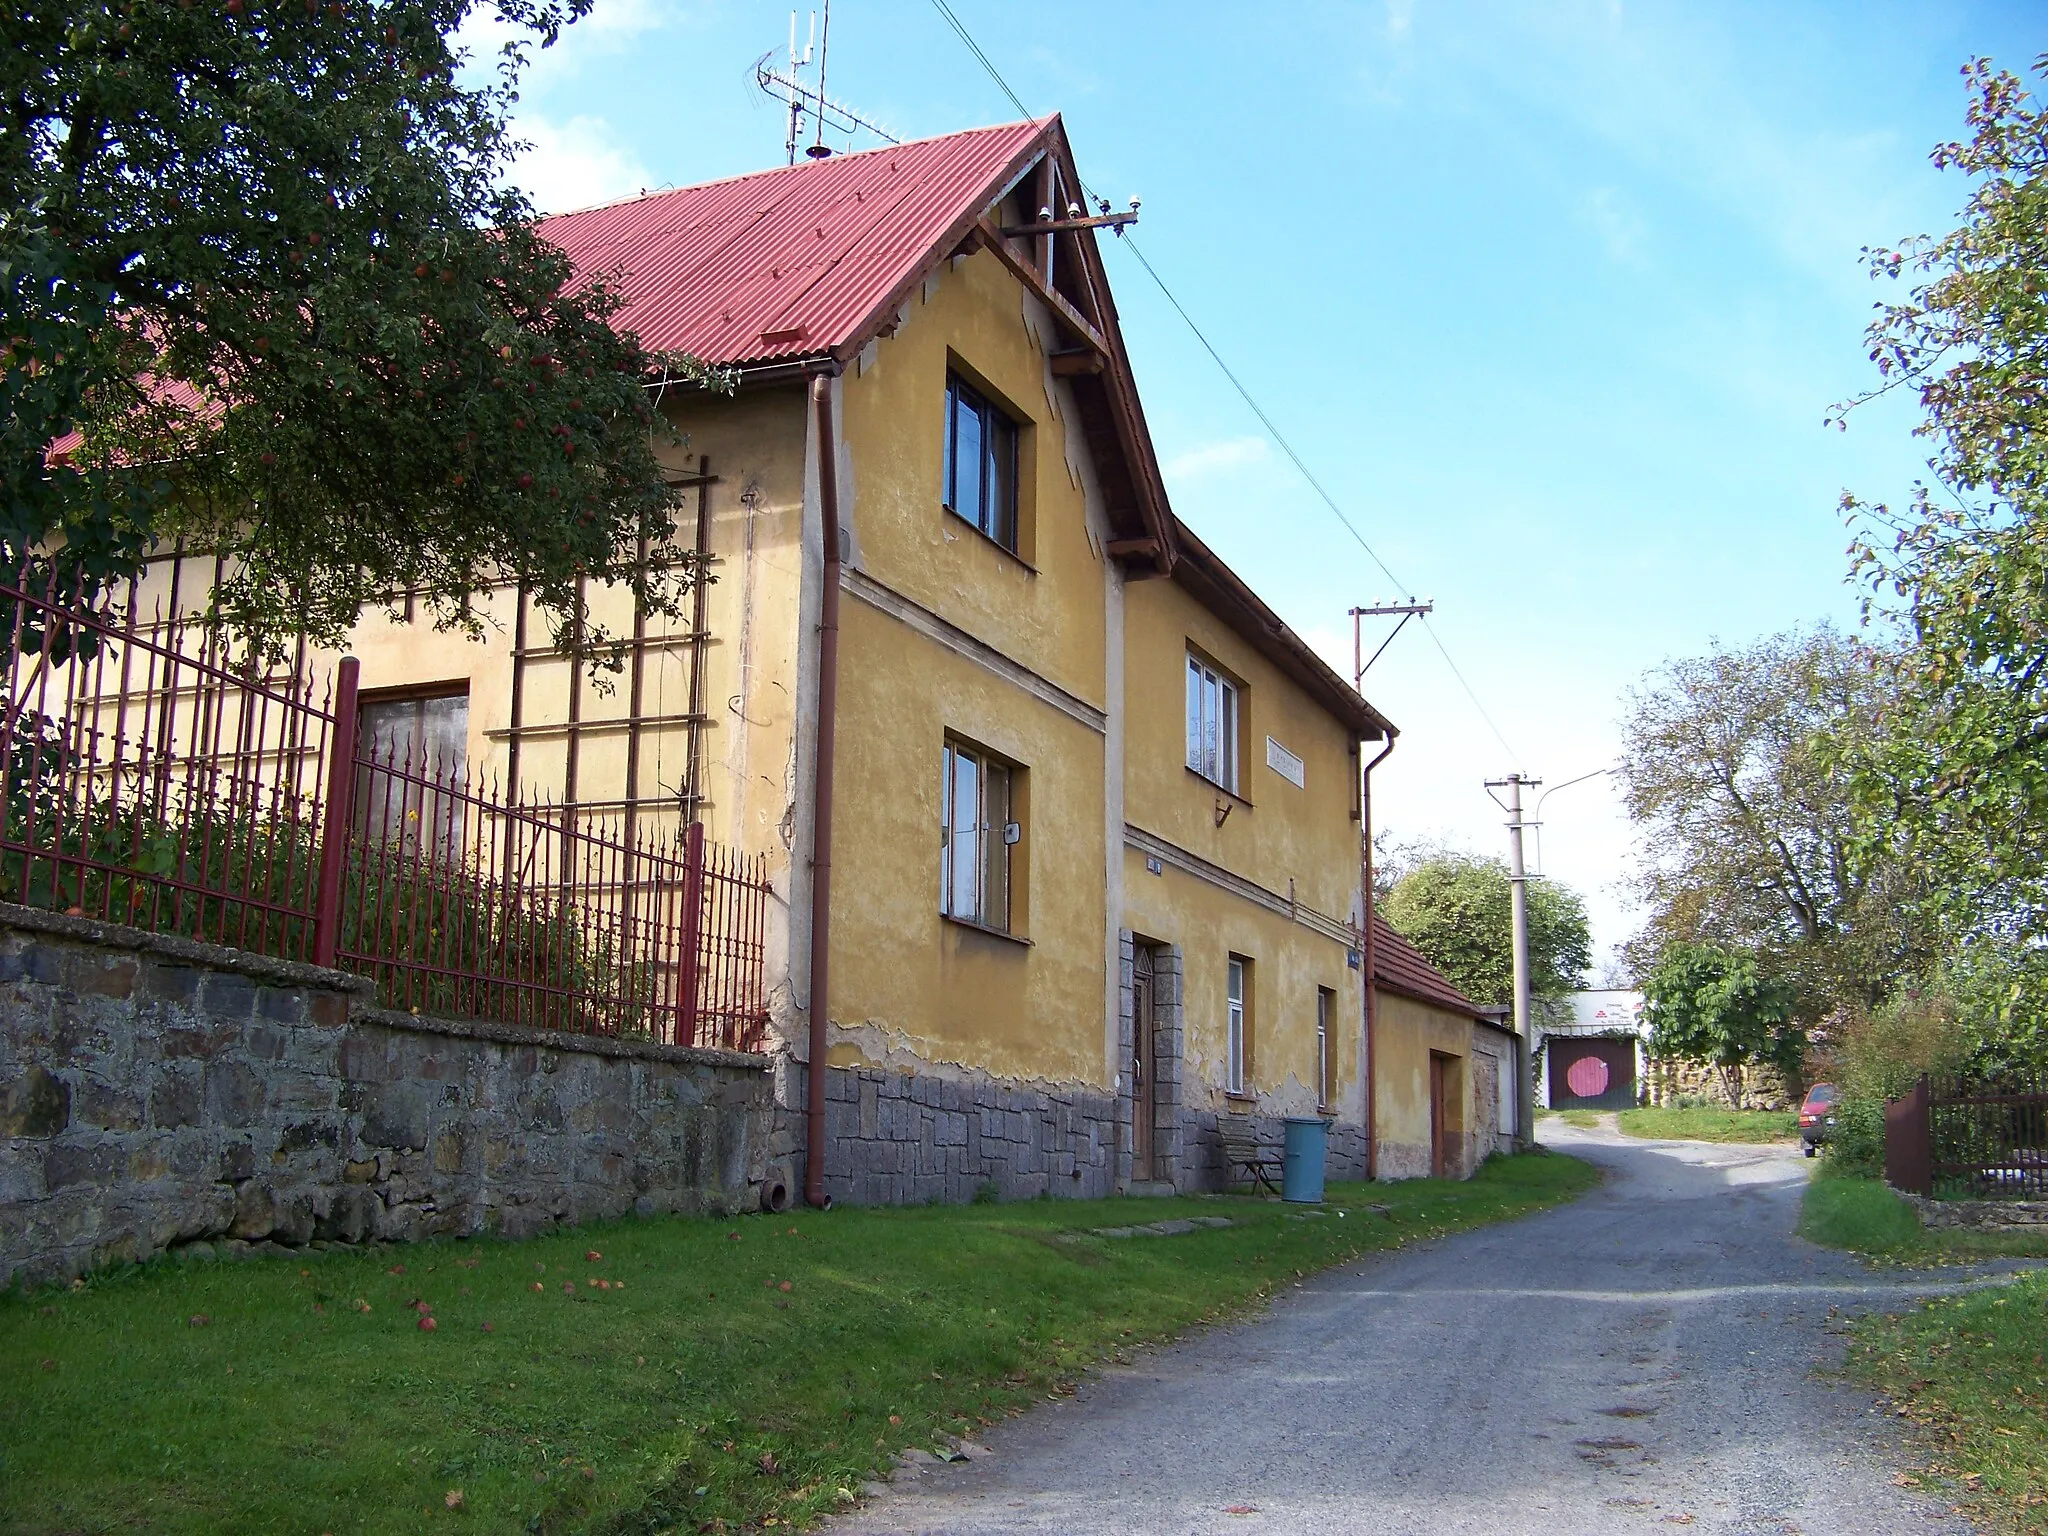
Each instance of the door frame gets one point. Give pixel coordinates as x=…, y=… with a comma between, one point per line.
x=1439, y=1105
x=1144, y=1066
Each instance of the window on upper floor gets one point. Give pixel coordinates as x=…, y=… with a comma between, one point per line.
x=1212, y=724
x=981, y=462
x=978, y=834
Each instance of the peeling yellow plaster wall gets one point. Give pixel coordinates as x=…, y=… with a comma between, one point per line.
x=1404, y=1035
x=903, y=977
x=1289, y=963
x=751, y=688
x=1273, y=833
x=1042, y=606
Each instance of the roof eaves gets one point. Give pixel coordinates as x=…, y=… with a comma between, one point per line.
x=1226, y=593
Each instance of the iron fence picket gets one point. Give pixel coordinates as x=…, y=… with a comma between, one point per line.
x=151, y=775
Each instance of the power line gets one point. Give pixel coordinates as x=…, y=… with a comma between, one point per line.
x=974, y=48
x=1244, y=394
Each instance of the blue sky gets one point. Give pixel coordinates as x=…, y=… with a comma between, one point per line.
x=1553, y=297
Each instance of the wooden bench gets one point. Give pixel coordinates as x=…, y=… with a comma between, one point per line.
x=1244, y=1155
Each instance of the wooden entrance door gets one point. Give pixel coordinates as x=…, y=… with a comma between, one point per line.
x=1143, y=1167
x=1439, y=1118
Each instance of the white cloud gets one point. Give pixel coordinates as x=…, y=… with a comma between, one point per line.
x=575, y=164
x=1214, y=458
x=610, y=28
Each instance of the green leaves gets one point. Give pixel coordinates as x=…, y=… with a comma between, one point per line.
x=1716, y=1007
x=263, y=259
x=1733, y=764
x=1456, y=911
x=1958, y=783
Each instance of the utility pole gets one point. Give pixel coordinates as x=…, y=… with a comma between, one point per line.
x=1518, y=917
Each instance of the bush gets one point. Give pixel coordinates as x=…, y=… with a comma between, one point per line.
x=1857, y=1147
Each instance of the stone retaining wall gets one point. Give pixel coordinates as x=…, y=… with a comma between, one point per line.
x=154, y=1091
x=1987, y=1215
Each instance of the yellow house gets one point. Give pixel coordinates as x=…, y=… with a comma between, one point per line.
x=1062, y=821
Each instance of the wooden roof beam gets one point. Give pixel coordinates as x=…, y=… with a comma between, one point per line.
x=1033, y=279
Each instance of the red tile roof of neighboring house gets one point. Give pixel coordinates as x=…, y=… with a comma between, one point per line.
x=177, y=393
x=1398, y=966
x=796, y=261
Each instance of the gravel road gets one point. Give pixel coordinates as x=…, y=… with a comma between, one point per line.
x=1639, y=1360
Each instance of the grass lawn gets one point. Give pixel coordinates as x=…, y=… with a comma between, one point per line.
x=1971, y=1372
x=1705, y=1124
x=643, y=1376
x=1865, y=1216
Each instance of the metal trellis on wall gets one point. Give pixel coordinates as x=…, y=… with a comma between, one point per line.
x=158, y=777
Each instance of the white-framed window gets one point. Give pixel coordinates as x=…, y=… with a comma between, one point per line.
x=1235, y=1071
x=1326, y=1058
x=976, y=834
x=1212, y=724
x=981, y=463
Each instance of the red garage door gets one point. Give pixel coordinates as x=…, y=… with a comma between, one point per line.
x=1592, y=1074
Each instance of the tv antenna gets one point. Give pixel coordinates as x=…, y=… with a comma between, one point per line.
x=807, y=100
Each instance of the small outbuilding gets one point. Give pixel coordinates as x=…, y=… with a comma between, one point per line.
x=1442, y=1066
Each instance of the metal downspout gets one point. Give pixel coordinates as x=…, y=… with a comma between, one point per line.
x=1372, y=1007
x=821, y=833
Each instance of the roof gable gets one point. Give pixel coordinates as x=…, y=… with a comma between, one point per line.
x=802, y=265
x=797, y=261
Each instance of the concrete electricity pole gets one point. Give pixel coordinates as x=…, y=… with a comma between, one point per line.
x=1518, y=917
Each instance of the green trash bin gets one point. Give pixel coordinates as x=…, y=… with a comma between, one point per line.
x=1302, y=1157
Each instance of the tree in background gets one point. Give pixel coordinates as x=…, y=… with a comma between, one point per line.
x=1717, y=1008
x=1455, y=909
x=262, y=258
x=1957, y=781
x=1731, y=766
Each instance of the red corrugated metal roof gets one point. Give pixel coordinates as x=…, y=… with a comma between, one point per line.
x=790, y=262
x=1398, y=966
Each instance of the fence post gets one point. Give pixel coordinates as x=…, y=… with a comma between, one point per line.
x=693, y=928
x=334, y=822
x=1909, y=1143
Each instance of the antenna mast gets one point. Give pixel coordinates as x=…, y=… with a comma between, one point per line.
x=790, y=86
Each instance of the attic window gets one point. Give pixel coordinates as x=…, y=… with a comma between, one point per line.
x=981, y=463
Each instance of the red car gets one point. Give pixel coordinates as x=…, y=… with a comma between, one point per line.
x=1817, y=1116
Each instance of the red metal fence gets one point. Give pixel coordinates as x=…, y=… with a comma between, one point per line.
x=152, y=777
x=1981, y=1139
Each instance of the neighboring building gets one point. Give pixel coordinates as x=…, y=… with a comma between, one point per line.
x=1443, y=1069
x=1094, y=863
x=1590, y=1050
